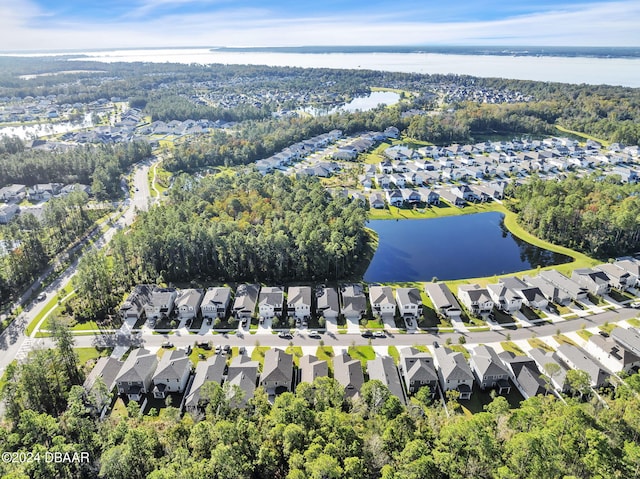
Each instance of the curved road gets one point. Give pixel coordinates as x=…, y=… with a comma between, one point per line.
x=13, y=341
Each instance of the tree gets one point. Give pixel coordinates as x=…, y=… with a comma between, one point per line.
x=579, y=381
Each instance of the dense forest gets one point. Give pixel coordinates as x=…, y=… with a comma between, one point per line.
x=598, y=216
x=313, y=433
x=100, y=166
x=230, y=228
x=64, y=221
x=254, y=140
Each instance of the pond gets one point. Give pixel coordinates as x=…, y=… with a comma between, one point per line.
x=361, y=103
x=453, y=247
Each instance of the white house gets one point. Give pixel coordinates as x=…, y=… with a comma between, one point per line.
x=270, y=302
x=409, y=302
x=476, y=299
x=188, y=303
x=299, y=302
x=504, y=298
x=382, y=300
x=172, y=373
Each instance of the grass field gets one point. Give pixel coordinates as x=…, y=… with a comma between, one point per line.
x=362, y=353
x=538, y=343
x=512, y=348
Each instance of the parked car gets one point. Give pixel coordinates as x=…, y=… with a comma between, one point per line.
x=204, y=345
x=367, y=334
x=379, y=334
x=285, y=335
x=42, y=296
x=604, y=334
x=226, y=348
x=313, y=334
x=167, y=345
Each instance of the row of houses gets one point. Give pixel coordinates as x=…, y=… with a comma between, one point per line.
x=266, y=302
x=404, y=166
x=511, y=293
x=39, y=192
x=142, y=375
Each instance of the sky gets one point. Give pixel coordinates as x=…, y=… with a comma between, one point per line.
x=46, y=25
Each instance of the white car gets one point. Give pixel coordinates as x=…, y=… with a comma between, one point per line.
x=313, y=334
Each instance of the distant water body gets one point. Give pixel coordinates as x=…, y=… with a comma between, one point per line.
x=624, y=71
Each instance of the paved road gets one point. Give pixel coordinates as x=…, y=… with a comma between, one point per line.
x=182, y=339
x=13, y=342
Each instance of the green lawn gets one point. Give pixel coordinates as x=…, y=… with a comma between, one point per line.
x=512, y=348
x=460, y=349
x=608, y=327
x=538, y=343
x=583, y=135
x=584, y=334
x=393, y=352
x=562, y=339
x=296, y=351
x=258, y=354
x=362, y=353
x=635, y=322
x=325, y=353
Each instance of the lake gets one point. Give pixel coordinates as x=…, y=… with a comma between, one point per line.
x=593, y=71
x=453, y=247
x=360, y=103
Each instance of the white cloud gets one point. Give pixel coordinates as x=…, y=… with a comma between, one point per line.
x=606, y=24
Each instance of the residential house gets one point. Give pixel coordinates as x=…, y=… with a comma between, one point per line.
x=504, y=298
x=354, y=302
x=619, y=278
x=7, y=213
x=241, y=377
x=13, y=192
x=410, y=197
x=172, y=373
x=595, y=281
x=417, y=370
x=382, y=301
x=576, y=358
x=299, y=302
x=524, y=374
x=628, y=338
x=376, y=200
x=133, y=306
x=489, y=370
x=552, y=366
x=428, y=196
x=270, y=302
x=136, y=374
x=464, y=192
x=215, y=303
x=245, y=301
x=611, y=355
x=211, y=370
x=443, y=300
x=475, y=298
x=105, y=370
x=532, y=296
x=277, y=372
x=348, y=372
x=328, y=304
x=394, y=198
x=575, y=291
x=454, y=373
x=311, y=368
x=452, y=198
x=409, y=302
x=550, y=291
x=188, y=303
x=161, y=303
x=43, y=191
x=631, y=266
x=384, y=370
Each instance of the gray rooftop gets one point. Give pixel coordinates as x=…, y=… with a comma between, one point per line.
x=353, y=300
x=278, y=366
x=328, y=300
x=580, y=360
x=172, y=365
x=190, y=298
x=299, y=295
x=217, y=297
x=441, y=296
x=210, y=370
x=246, y=297
x=453, y=365
x=106, y=368
x=384, y=369
x=629, y=338
x=272, y=296
x=311, y=367
x=487, y=361
x=417, y=366
x=381, y=295
x=348, y=372
x=137, y=366
x=408, y=296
